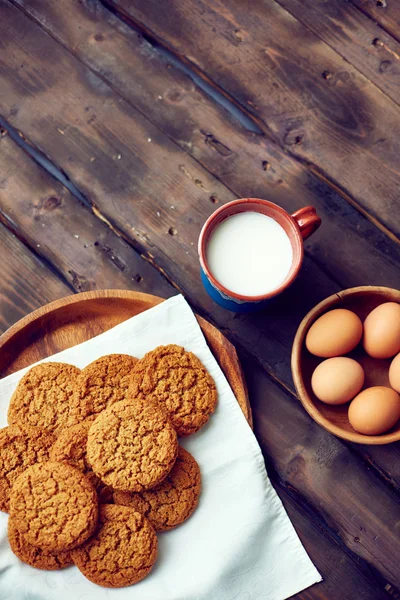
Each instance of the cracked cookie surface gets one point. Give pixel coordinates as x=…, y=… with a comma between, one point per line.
x=44, y=398
x=123, y=550
x=70, y=447
x=54, y=506
x=20, y=448
x=172, y=501
x=33, y=556
x=104, y=381
x=132, y=445
x=178, y=380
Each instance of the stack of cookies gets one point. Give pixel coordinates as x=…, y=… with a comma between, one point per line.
x=90, y=466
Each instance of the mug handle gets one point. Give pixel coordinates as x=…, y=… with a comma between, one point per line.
x=307, y=220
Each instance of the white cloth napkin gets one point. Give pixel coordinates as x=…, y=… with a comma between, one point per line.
x=239, y=544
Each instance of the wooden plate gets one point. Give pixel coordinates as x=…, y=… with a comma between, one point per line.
x=360, y=300
x=75, y=319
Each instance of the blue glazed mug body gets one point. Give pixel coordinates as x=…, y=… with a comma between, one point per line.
x=297, y=226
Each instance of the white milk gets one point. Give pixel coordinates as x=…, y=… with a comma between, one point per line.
x=249, y=254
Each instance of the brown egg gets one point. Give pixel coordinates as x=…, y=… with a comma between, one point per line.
x=334, y=333
x=394, y=373
x=382, y=331
x=375, y=410
x=337, y=380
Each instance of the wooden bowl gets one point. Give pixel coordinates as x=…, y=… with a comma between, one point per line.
x=360, y=300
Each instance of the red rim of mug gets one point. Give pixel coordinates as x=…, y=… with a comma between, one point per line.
x=297, y=255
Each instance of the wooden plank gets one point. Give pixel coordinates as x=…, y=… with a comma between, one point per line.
x=354, y=251
x=81, y=247
x=156, y=194
x=349, y=578
x=341, y=126
x=248, y=164
x=355, y=37
x=26, y=283
x=384, y=459
x=385, y=12
x=239, y=327
x=319, y=469
x=340, y=580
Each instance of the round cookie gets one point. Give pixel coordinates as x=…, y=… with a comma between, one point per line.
x=44, y=398
x=33, y=556
x=104, y=382
x=132, y=445
x=123, y=550
x=173, y=500
x=177, y=380
x=54, y=506
x=20, y=447
x=70, y=447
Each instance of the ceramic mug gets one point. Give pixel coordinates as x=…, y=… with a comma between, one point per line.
x=298, y=226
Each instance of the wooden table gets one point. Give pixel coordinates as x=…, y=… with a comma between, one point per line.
x=127, y=122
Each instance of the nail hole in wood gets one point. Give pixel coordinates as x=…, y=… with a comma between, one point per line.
x=51, y=203
x=238, y=35
x=214, y=199
x=265, y=165
x=138, y=278
x=384, y=66
x=327, y=75
x=172, y=231
x=381, y=3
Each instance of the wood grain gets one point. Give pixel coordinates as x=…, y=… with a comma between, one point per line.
x=355, y=37
x=141, y=203
x=296, y=429
x=318, y=472
x=341, y=578
x=145, y=218
x=49, y=219
x=248, y=164
x=384, y=12
x=26, y=282
x=155, y=194
x=340, y=125
x=76, y=319
x=84, y=251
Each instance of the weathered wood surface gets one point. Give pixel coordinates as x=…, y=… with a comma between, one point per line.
x=248, y=164
x=322, y=544
x=385, y=12
x=136, y=192
x=353, y=250
x=319, y=536
x=86, y=253
x=25, y=283
x=154, y=192
x=62, y=147
x=343, y=499
x=315, y=105
x=98, y=269
x=355, y=37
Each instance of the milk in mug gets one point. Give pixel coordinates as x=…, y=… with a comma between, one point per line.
x=249, y=254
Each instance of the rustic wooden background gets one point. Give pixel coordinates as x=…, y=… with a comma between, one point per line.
x=125, y=123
